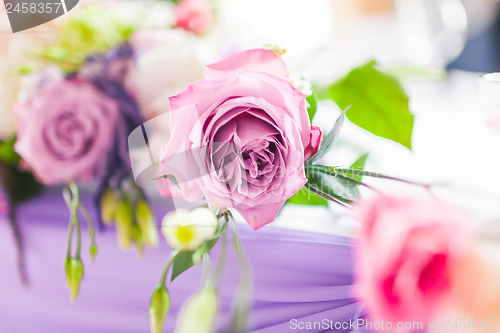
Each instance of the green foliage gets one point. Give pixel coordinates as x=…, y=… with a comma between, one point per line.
x=330, y=185
x=313, y=105
x=93, y=29
x=19, y=185
x=187, y=259
x=7, y=153
x=359, y=164
x=329, y=140
x=306, y=197
x=379, y=103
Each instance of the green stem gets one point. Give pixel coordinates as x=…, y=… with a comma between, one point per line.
x=379, y=175
x=344, y=177
x=245, y=288
x=72, y=202
x=167, y=265
x=70, y=236
x=223, y=229
x=223, y=255
x=325, y=195
x=75, y=203
x=89, y=222
x=207, y=268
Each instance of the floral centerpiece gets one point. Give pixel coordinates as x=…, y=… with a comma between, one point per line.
x=239, y=139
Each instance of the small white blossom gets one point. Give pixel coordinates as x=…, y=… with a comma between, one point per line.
x=187, y=230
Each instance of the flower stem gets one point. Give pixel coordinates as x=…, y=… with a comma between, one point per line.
x=167, y=265
x=325, y=195
x=344, y=177
x=207, y=269
x=245, y=288
x=379, y=175
x=72, y=198
x=223, y=254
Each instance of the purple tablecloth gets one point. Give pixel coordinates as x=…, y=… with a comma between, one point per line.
x=306, y=276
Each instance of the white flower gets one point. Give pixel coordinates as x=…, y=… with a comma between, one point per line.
x=187, y=230
x=168, y=61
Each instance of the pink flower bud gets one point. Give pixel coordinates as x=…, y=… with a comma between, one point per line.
x=314, y=142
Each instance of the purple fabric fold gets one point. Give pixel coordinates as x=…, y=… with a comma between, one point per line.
x=297, y=275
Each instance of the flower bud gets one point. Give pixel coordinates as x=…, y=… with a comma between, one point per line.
x=186, y=230
x=158, y=308
x=124, y=220
x=198, y=313
x=93, y=250
x=147, y=223
x=109, y=205
x=74, y=274
x=136, y=236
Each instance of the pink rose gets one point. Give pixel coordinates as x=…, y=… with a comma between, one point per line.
x=238, y=137
x=407, y=249
x=194, y=15
x=65, y=130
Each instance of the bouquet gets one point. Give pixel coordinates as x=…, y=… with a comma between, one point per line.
x=98, y=110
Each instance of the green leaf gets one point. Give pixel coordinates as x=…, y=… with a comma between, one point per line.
x=19, y=185
x=379, y=103
x=313, y=105
x=330, y=139
x=306, y=197
x=336, y=187
x=359, y=165
x=187, y=259
x=7, y=153
x=407, y=72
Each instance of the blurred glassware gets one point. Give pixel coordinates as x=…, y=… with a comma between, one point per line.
x=489, y=98
x=434, y=32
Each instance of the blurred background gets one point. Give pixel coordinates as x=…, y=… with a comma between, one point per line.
x=436, y=33
x=438, y=48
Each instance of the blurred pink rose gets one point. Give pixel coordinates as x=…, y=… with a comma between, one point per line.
x=238, y=138
x=407, y=249
x=65, y=130
x=194, y=15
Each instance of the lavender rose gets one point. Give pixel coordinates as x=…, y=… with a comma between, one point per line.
x=238, y=137
x=65, y=129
